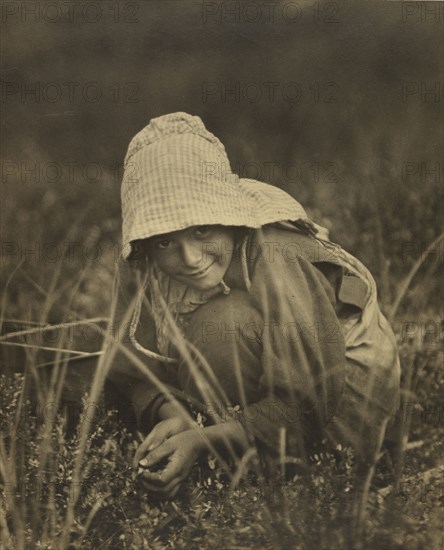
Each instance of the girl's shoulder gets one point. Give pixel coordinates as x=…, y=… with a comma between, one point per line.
x=276, y=244
x=282, y=259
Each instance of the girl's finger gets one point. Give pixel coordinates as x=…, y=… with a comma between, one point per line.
x=158, y=435
x=139, y=454
x=157, y=455
x=151, y=437
x=152, y=440
x=152, y=479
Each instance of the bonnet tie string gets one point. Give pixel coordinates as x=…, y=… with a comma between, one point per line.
x=135, y=322
x=244, y=263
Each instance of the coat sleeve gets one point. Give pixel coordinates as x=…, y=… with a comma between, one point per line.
x=128, y=381
x=303, y=357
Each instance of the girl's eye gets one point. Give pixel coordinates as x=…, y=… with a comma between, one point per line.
x=203, y=230
x=164, y=243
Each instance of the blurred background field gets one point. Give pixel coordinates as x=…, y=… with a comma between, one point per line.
x=339, y=103
x=351, y=141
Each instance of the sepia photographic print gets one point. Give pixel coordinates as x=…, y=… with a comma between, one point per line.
x=221, y=274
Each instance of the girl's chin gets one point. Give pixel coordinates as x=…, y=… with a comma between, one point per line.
x=202, y=285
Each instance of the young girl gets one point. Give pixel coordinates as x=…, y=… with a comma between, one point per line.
x=241, y=307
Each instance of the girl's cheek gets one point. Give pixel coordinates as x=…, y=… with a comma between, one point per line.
x=160, y=262
x=172, y=265
x=166, y=267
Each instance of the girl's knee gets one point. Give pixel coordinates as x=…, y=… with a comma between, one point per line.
x=224, y=320
x=225, y=332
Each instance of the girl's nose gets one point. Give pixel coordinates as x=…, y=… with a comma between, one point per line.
x=191, y=254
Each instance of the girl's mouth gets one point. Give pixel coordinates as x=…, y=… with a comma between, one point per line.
x=200, y=273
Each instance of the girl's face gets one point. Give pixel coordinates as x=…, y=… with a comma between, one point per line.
x=198, y=256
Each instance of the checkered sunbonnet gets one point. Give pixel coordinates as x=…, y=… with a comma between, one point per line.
x=177, y=175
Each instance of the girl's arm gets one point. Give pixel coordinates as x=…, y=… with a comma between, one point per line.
x=303, y=357
x=230, y=436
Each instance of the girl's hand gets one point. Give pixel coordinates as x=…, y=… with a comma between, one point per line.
x=180, y=452
x=161, y=432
